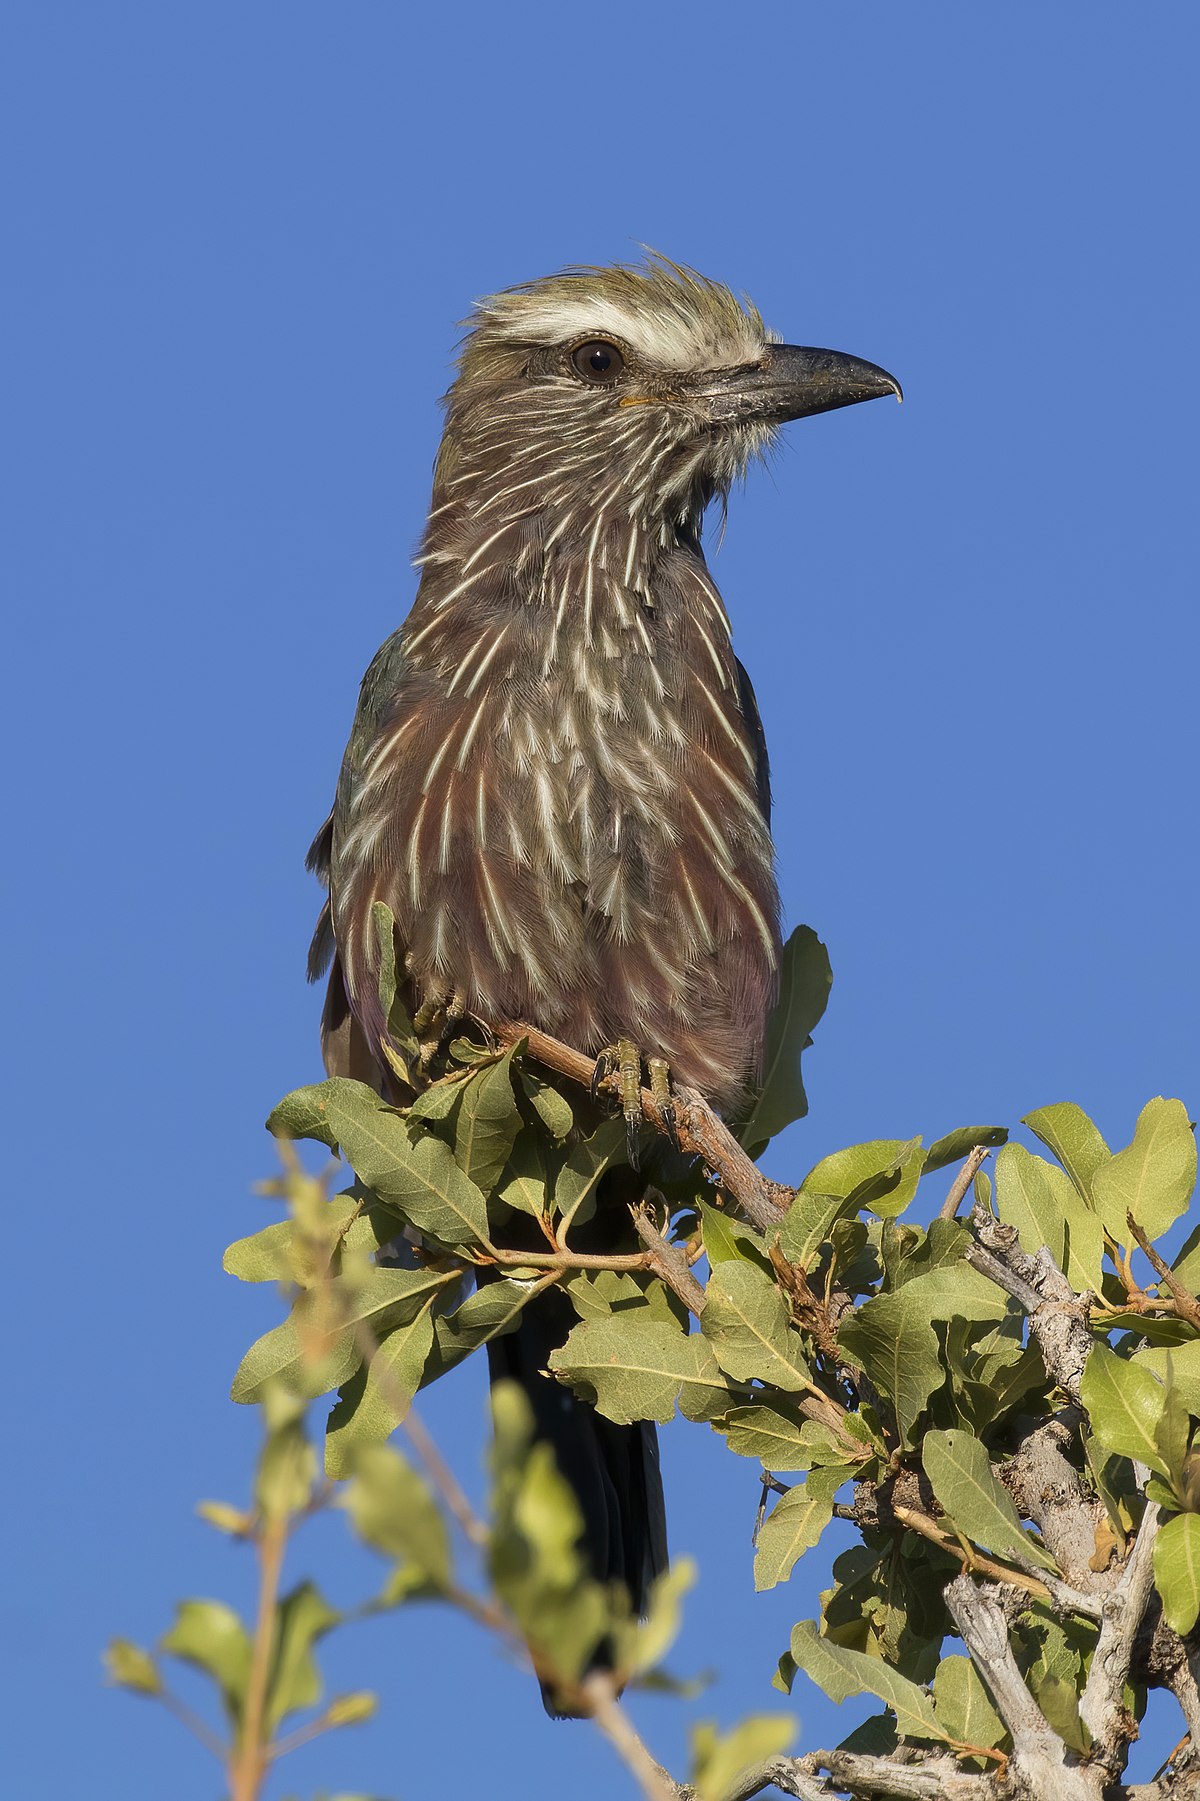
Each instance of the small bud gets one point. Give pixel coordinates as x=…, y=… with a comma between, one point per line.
x=225, y=1517
x=352, y=1709
x=132, y=1668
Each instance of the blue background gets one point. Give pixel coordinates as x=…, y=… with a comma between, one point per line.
x=237, y=239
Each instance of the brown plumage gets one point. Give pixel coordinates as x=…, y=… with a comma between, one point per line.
x=556, y=778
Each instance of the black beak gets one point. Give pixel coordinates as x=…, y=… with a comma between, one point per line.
x=793, y=382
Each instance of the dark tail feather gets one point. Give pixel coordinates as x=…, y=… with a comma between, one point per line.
x=613, y=1470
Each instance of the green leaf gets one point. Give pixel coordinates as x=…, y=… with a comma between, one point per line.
x=287, y=1465
x=1153, y=1177
x=959, y=1144
x=653, y=1637
x=807, y=1224
x=1046, y=1209
x=578, y=1179
x=486, y=1123
x=963, y=1706
x=596, y=1293
x=718, y=1759
x=795, y=1524
x=1178, y=1368
x=881, y=1174
x=294, y=1682
x=418, y=1178
x=892, y=1336
x=314, y=1349
x=975, y=1502
x=632, y=1367
x=393, y=1510
x=1125, y=1405
x=490, y=1312
x=210, y=1636
x=841, y=1673
x=399, y=1023
x=781, y=1438
x=551, y=1107
x=805, y=979
x=283, y=1252
x=1177, y=1571
x=353, y=1709
x=525, y=1181
x=533, y=1555
x=1071, y=1136
x=132, y=1668
x=379, y=1394
x=745, y=1319
x=725, y=1239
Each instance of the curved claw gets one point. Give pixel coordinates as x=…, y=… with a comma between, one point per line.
x=632, y=1135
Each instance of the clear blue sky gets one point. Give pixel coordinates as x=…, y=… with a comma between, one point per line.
x=237, y=239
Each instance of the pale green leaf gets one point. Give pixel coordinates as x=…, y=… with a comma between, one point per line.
x=1046, y=1209
x=577, y=1181
x=1073, y=1138
x=394, y=1510
x=841, y=1673
x=379, y=1394
x=294, y=1682
x=745, y=1319
x=315, y=1348
x=525, y=1181
x=486, y=1123
x=418, y=1178
x=881, y=1174
x=132, y=1668
x=959, y=1144
x=718, y=1759
x=1177, y=1571
x=210, y=1636
x=551, y=1107
x=963, y=1706
x=726, y=1240
x=807, y=1224
x=1153, y=1177
x=632, y=1367
x=1178, y=1367
x=653, y=1637
x=795, y=1524
x=1125, y=1405
x=805, y=979
x=975, y=1502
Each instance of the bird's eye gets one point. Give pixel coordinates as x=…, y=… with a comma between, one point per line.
x=598, y=362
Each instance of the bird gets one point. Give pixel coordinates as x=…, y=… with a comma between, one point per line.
x=557, y=777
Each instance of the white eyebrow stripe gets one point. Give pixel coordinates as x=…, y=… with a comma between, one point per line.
x=669, y=338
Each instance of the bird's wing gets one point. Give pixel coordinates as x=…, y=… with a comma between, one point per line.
x=751, y=715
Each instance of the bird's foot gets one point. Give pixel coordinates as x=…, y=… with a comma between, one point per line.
x=624, y=1061
x=435, y=1022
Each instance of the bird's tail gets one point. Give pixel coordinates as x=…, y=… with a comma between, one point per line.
x=613, y=1470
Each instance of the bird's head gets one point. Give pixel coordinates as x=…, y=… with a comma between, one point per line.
x=652, y=387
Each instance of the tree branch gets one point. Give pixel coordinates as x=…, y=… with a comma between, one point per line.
x=1057, y=1315
x=936, y=1779
x=252, y=1757
x=1039, y=1756
x=1101, y=1707
x=697, y=1129
x=962, y=1181
x=600, y=1694
x=668, y=1261
x=1186, y=1305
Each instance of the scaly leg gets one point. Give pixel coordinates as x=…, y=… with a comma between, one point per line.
x=624, y=1061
